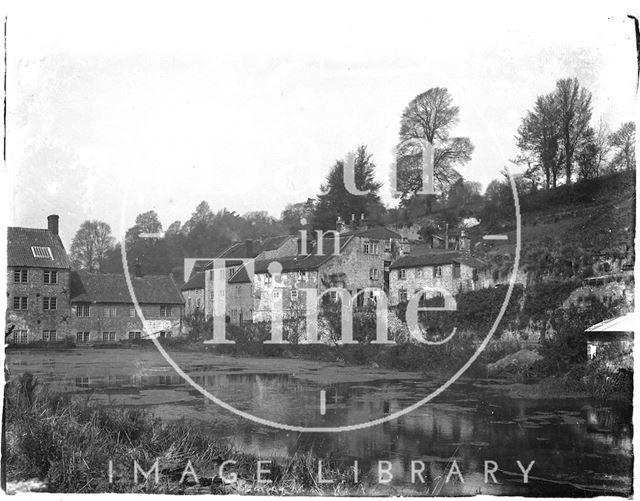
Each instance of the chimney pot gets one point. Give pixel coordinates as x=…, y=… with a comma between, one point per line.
x=248, y=244
x=53, y=223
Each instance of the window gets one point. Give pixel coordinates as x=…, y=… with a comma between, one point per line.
x=49, y=303
x=110, y=311
x=20, y=276
x=134, y=335
x=165, y=310
x=164, y=334
x=42, y=252
x=333, y=295
x=197, y=302
x=108, y=336
x=20, y=336
x=234, y=315
x=49, y=336
x=82, y=310
x=402, y=274
x=237, y=291
x=50, y=277
x=294, y=294
x=132, y=311
x=474, y=275
x=456, y=270
x=276, y=294
x=365, y=248
x=82, y=337
x=374, y=248
x=418, y=272
x=267, y=278
x=402, y=295
x=373, y=274
x=189, y=304
x=437, y=271
x=20, y=302
x=302, y=275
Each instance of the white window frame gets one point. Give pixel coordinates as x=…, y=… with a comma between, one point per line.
x=294, y=294
x=22, y=272
x=50, y=277
x=49, y=303
x=41, y=252
x=402, y=274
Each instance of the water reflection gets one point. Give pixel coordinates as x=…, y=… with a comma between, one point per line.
x=578, y=448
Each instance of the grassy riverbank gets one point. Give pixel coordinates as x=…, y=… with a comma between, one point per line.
x=68, y=442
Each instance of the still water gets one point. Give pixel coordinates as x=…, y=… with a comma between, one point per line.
x=579, y=449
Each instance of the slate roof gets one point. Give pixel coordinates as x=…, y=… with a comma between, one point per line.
x=195, y=282
x=239, y=249
x=20, y=241
x=112, y=288
x=379, y=233
x=436, y=259
x=290, y=263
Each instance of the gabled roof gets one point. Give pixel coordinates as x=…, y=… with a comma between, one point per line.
x=436, y=259
x=239, y=249
x=195, y=282
x=308, y=262
x=112, y=288
x=19, y=252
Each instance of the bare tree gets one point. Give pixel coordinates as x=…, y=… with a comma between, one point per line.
x=574, y=113
x=623, y=143
x=91, y=245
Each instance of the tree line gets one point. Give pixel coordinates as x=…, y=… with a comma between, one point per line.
x=557, y=142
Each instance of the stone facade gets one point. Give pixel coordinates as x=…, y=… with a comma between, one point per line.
x=112, y=322
x=41, y=314
x=38, y=285
x=450, y=271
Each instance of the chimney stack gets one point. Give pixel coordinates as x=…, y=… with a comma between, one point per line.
x=53, y=223
x=248, y=248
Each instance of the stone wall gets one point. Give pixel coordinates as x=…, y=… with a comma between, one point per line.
x=35, y=319
x=122, y=319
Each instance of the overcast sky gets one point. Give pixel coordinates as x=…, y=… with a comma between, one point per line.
x=115, y=111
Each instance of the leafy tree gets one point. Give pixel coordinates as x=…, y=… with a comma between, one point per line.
x=623, y=143
x=538, y=140
x=574, y=113
x=429, y=117
x=335, y=200
x=91, y=245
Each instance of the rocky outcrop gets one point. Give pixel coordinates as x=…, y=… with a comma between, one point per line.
x=514, y=362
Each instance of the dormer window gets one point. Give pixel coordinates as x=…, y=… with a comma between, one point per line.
x=42, y=252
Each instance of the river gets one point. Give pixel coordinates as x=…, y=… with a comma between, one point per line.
x=579, y=449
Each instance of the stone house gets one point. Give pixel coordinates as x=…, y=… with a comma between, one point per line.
x=38, y=285
x=102, y=309
x=193, y=294
x=452, y=271
x=354, y=260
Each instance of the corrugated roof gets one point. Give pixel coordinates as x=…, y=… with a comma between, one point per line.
x=195, y=282
x=436, y=259
x=625, y=323
x=112, y=288
x=20, y=241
